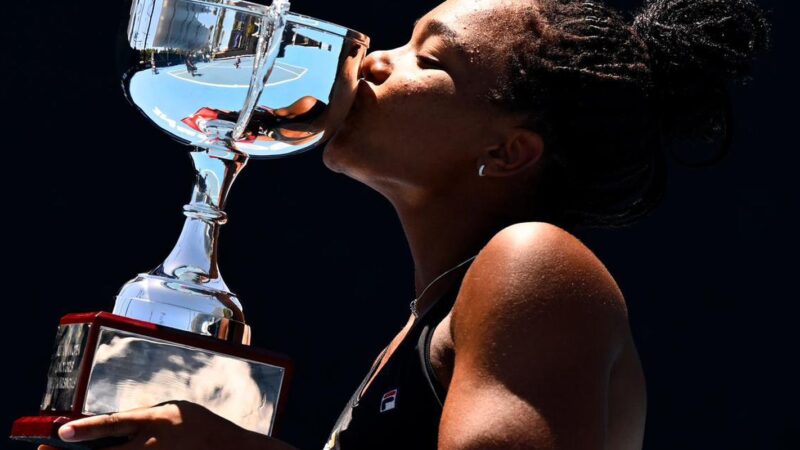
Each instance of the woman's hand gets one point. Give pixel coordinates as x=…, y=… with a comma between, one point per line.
x=171, y=426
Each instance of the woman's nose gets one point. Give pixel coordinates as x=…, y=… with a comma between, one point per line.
x=376, y=67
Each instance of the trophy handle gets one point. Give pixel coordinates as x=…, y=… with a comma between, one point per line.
x=267, y=49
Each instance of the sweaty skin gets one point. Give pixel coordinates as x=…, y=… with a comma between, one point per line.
x=537, y=352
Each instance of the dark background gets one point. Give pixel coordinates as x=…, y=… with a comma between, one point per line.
x=93, y=195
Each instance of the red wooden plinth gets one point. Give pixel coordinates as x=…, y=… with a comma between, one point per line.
x=43, y=429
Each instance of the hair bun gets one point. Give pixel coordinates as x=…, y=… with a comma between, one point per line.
x=696, y=48
x=712, y=37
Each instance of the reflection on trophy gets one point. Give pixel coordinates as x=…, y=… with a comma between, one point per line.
x=234, y=80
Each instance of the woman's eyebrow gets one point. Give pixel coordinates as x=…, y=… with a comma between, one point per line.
x=438, y=28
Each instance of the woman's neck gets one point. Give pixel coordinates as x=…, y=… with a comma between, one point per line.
x=441, y=235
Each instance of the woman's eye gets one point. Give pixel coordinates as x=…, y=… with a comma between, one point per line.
x=428, y=62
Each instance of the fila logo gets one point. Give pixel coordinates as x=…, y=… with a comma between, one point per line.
x=389, y=400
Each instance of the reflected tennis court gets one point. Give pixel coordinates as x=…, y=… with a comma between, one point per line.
x=225, y=73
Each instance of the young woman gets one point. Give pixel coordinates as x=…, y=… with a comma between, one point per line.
x=497, y=129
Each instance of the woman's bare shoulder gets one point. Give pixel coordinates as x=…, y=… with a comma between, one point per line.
x=528, y=269
x=535, y=239
x=537, y=327
x=521, y=252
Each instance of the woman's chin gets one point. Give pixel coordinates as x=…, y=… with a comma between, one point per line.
x=337, y=156
x=340, y=152
x=330, y=160
x=343, y=159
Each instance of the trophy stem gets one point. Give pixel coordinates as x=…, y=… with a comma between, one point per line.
x=194, y=257
x=187, y=291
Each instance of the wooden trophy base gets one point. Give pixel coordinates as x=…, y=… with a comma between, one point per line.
x=105, y=363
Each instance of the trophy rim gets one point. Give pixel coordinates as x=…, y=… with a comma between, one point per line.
x=305, y=20
x=313, y=22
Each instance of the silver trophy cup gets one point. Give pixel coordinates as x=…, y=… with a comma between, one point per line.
x=234, y=80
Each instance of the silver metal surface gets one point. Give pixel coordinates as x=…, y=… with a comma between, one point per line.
x=186, y=79
x=131, y=371
x=187, y=291
x=236, y=80
x=65, y=363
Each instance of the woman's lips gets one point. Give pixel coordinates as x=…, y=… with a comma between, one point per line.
x=364, y=98
x=364, y=94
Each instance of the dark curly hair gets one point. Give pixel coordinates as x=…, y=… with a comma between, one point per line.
x=609, y=96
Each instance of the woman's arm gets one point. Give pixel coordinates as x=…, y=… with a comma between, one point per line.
x=537, y=326
x=169, y=426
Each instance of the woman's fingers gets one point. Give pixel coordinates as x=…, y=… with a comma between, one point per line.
x=96, y=427
x=137, y=443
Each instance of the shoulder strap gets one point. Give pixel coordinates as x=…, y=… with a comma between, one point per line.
x=444, y=304
x=430, y=320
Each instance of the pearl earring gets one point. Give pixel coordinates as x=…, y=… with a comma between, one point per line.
x=481, y=170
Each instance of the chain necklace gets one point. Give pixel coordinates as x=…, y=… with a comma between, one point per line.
x=413, y=304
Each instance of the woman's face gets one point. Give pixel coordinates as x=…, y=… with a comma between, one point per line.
x=421, y=116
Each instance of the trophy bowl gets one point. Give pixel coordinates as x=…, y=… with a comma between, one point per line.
x=200, y=67
x=234, y=80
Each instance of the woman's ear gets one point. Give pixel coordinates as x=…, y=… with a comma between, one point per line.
x=519, y=153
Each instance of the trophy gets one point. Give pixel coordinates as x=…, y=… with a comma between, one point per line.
x=235, y=80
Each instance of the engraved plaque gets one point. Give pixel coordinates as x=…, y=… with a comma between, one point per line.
x=62, y=378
